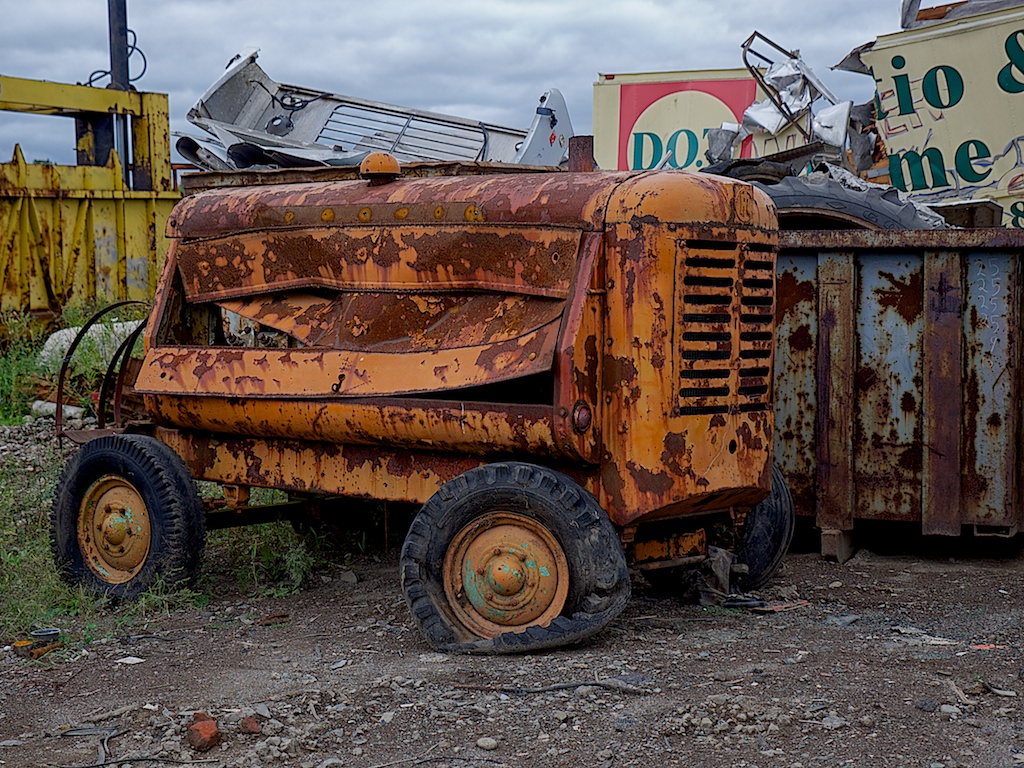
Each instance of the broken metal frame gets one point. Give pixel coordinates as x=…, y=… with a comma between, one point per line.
x=254, y=121
x=772, y=93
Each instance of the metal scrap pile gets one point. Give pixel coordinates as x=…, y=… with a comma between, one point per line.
x=251, y=121
x=791, y=89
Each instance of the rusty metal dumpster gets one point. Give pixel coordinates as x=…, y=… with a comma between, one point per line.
x=898, y=378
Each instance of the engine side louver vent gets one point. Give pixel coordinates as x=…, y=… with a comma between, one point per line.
x=725, y=329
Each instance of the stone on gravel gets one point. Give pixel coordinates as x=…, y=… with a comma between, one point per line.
x=486, y=742
x=204, y=735
x=832, y=722
x=249, y=725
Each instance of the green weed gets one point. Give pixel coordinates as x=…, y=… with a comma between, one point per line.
x=19, y=370
x=269, y=559
x=31, y=593
x=24, y=377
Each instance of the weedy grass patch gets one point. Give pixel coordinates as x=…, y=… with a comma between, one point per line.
x=20, y=373
x=269, y=559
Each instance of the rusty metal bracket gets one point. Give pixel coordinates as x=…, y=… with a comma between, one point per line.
x=758, y=75
x=69, y=355
x=123, y=354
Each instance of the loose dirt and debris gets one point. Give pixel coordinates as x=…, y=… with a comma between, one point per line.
x=895, y=660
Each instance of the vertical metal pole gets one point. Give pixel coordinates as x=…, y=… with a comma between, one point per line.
x=117, y=16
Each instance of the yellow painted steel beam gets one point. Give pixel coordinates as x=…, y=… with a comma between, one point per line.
x=48, y=98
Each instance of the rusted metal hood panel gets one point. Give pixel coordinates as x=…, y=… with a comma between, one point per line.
x=571, y=200
x=693, y=198
x=319, y=373
x=504, y=259
x=401, y=322
x=413, y=286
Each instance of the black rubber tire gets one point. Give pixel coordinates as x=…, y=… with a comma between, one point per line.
x=818, y=202
x=766, y=537
x=176, y=519
x=598, y=576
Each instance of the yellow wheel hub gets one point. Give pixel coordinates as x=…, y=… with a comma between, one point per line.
x=113, y=529
x=505, y=572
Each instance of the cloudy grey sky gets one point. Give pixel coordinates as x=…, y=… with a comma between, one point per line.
x=486, y=60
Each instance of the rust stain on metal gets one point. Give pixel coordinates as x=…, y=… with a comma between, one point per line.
x=908, y=403
x=801, y=340
x=905, y=296
x=792, y=293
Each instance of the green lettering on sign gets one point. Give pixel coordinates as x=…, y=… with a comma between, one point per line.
x=639, y=139
x=692, y=145
x=1017, y=212
x=954, y=87
x=1015, y=53
x=903, y=95
x=965, y=161
x=914, y=163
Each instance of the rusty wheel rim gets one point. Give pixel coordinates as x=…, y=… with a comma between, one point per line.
x=505, y=572
x=113, y=529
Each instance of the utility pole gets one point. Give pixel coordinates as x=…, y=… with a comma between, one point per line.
x=117, y=15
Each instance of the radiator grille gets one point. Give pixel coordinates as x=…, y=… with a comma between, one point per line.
x=725, y=329
x=408, y=137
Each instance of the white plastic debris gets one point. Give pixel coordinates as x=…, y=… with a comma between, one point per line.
x=46, y=408
x=100, y=343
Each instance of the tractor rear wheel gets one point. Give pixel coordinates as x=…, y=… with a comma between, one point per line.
x=819, y=202
x=512, y=557
x=766, y=537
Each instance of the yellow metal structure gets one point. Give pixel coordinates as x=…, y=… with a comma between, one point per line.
x=71, y=234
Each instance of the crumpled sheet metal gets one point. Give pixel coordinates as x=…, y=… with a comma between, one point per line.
x=792, y=88
x=912, y=17
x=254, y=122
x=796, y=87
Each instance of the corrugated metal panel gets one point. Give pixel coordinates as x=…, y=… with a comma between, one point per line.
x=910, y=338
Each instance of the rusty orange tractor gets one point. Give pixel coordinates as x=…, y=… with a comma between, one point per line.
x=569, y=371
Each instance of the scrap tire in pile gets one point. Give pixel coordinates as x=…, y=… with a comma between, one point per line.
x=819, y=202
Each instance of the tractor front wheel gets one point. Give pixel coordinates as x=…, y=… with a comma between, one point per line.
x=126, y=515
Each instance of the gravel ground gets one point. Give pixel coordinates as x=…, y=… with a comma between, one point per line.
x=897, y=660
